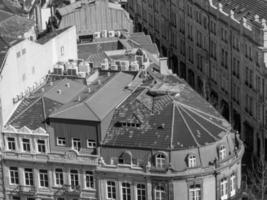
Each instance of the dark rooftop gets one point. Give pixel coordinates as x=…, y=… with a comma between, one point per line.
x=169, y=115
x=50, y=35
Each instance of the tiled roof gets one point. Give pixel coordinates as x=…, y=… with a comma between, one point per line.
x=14, y=25
x=32, y=112
x=247, y=8
x=171, y=115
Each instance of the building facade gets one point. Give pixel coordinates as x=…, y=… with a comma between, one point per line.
x=128, y=129
x=218, y=47
x=25, y=64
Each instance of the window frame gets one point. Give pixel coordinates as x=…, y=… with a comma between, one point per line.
x=26, y=145
x=89, y=179
x=28, y=176
x=59, y=177
x=43, y=178
x=13, y=175
x=41, y=146
x=61, y=141
x=91, y=144
x=111, y=190
x=160, y=192
x=160, y=160
x=222, y=152
x=192, y=161
x=74, y=178
x=196, y=191
x=126, y=191
x=76, y=144
x=223, y=189
x=13, y=144
x=143, y=194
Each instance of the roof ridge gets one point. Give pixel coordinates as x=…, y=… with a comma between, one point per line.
x=207, y=118
x=193, y=108
x=65, y=109
x=188, y=127
x=199, y=124
x=92, y=110
x=173, y=115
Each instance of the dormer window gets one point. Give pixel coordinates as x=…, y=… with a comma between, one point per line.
x=192, y=161
x=125, y=158
x=222, y=152
x=160, y=160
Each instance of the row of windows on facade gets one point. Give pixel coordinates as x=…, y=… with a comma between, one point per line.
x=161, y=158
x=227, y=189
x=26, y=144
x=74, y=176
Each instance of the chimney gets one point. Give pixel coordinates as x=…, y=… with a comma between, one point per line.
x=163, y=64
x=59, y=91
x=89, y=90
x=99, y=82
x=51, y=83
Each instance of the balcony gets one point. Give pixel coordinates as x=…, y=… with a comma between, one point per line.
x=69, y=190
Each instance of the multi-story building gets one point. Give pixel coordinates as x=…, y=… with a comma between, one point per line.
x=25, y=63
x=219, y=48
x=125, y=129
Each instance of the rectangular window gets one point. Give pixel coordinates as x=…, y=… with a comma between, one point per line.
x=141, y=191
x=41, y=146
x=223, y=188
x=194, y=193
x=74, y=179
x=62, y=51
x=11, y=143
x=91, y=143
x=26, y=145
x=111, y=190
x=89, y=180
x=14, y=175
x=126, y=191
x=76, y=144
x=23, y=51
x=233, y=185
x=59, y=177
x=28, y=176
x=43, y=175
x=18, y=54
x=61, y=141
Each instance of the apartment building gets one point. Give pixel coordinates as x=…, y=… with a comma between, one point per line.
x=132, y=133
x=218, y=47
x=24, y=65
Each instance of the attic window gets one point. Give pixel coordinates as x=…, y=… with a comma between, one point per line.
x=192, y=161
x=160, y=159
x=125, y=158
x=127, y=124
x=222, y=152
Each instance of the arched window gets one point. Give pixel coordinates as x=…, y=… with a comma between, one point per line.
x=222, y=152
x=160, y=160
x=195, y=192
x=125, y=158
x=160, y=193
x=192, y=161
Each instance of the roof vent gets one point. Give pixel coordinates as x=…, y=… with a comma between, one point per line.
x=67, y=85
x=89, y=90
x=99, y=82
x=51, y=83
x=59, y=91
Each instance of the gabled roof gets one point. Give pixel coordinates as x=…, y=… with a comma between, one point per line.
x=172, y=115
